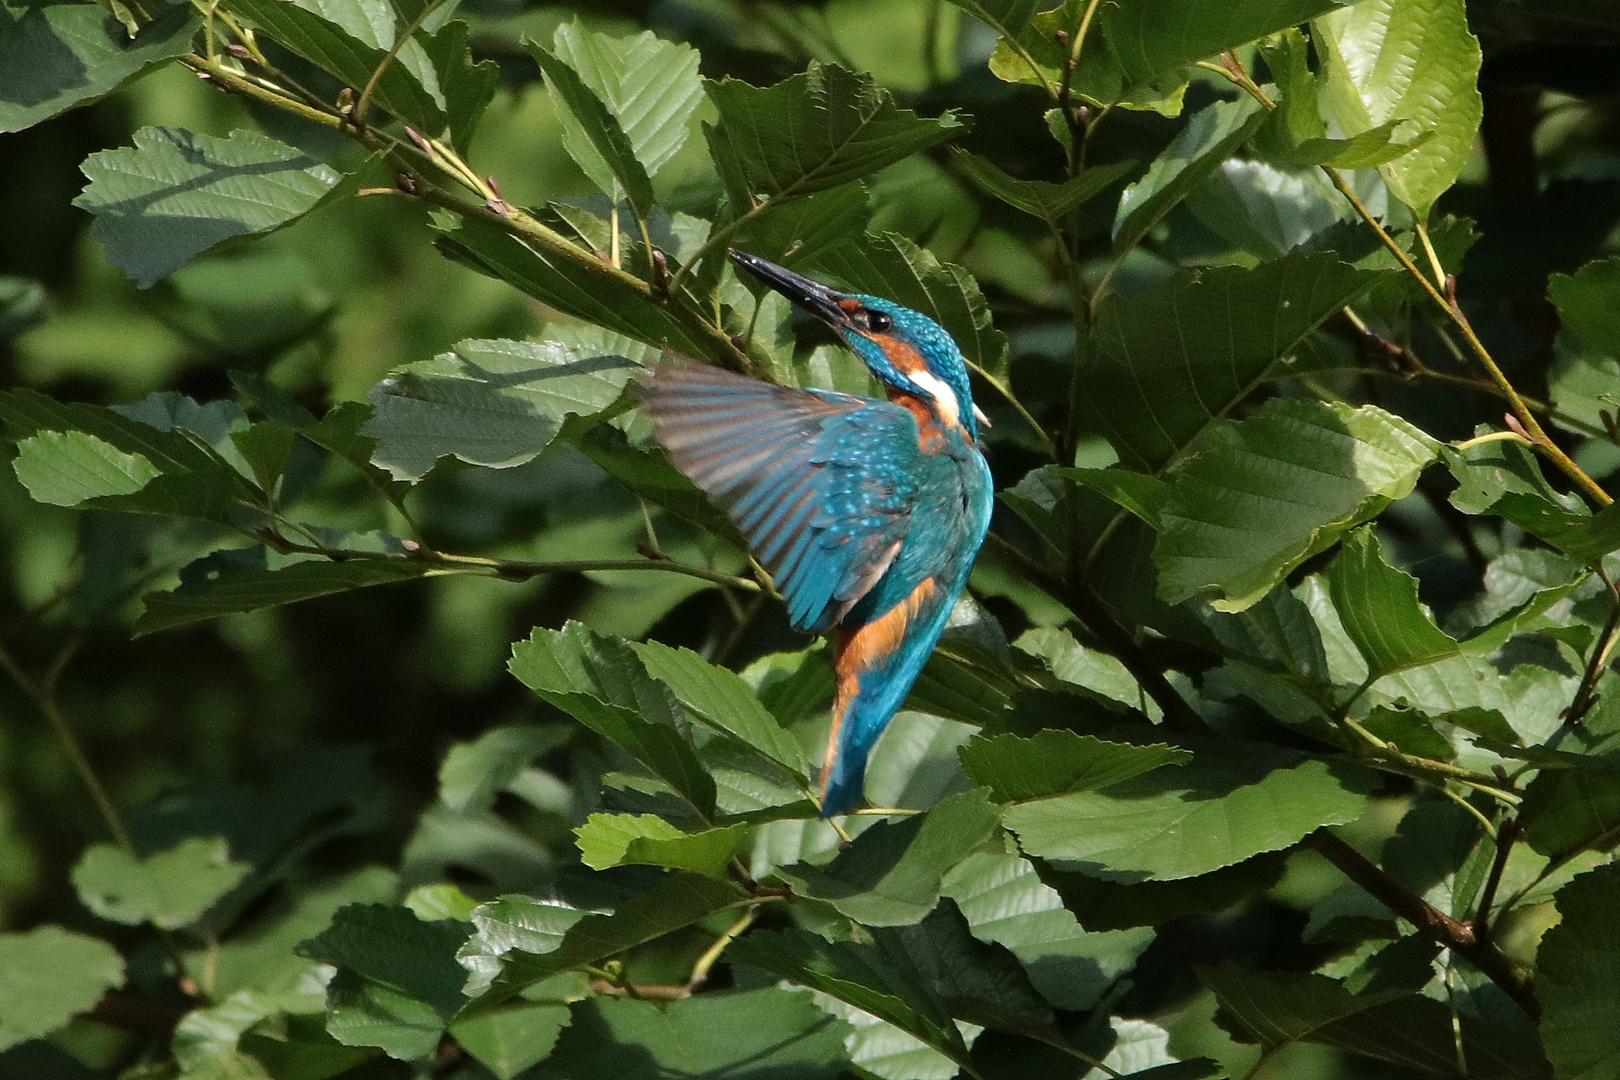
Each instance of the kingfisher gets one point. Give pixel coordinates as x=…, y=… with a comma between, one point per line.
x=867, y=513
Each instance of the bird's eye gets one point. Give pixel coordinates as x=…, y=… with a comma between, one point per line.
x=877, y=322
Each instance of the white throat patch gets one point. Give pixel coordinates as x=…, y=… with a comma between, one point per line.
x=944, y=397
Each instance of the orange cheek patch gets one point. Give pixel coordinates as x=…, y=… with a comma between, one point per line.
x=901, y=354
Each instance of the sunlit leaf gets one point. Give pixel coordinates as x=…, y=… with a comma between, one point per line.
x=350, y=40
x=494, y=403
x=66, y=468
x=1411, y=60
x=169, y=889
x=650, y=86
x=1214, y=811
x=1208, y=139
x=815, y=130
x=1378, y=607
x=176, y=194
x=1058, y=762
x=1149, y=37
x=48, y=976
x=622, y=839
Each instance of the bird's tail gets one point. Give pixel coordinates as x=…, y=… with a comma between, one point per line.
x=875, y=663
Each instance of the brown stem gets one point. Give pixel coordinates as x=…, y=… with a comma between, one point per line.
x=1597, y=663
x=1506, y=835
x=1433, y=923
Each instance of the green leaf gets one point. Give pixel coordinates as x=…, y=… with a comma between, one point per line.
x=1041, y=58
x=494, y=403
x=1275, y=489
x=512, y=923
x=1217, y=810
x=48, y=976
x=468, y=87
x=388, y=945
x=761, y=1034
x=1405, y=1029
x=508, y=1039
x=650, y=86
x=65, y=468
x=1104, y=905
x=1004, y=901
x=1006, y=17
x=681, y=900
x=623, y=839
x=602, y=683
x=815, y=130
x=721, y=699
x=472, y=772
x=1578, y=978
x=877, y=982
x=1049, y=202
x=890, y=875
x=1209, y=138
x=169, y=889
x=592, y=135
x=1202, y=341
x=978, y=981
x=647, y=472
x=1142, y=495
x=1568, y=810
x=343, y=39
x=894, y=268
x=363, y=1012
x=1581, y=535
x=577, y=283
x=174, y=194
x=1149, y=37
x=1264, y=210
x=266, y=447
x=56, y=57
x=1411, y=60
x=227, y=593
x=1374, y=147
x=1378, y=606
x=1058, y=762
x=1588, y=303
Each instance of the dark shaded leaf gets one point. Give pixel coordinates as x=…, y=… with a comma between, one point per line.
x=1058, y=762
x=56, y=57
x=890, y=875
x=1277, y=488
x=1202, y=340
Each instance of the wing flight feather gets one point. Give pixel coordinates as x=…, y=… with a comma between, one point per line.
x=816, y=481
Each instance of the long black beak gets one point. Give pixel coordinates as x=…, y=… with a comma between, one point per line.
x=812, y=296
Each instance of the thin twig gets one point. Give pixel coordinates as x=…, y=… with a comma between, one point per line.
x=1430, y=920
x=42, y=692
x=1506, y=836
x=507, y=569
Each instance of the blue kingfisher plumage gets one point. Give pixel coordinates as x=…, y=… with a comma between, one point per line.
x=867, y=513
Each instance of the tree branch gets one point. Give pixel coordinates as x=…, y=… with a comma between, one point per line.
x=1433, y=923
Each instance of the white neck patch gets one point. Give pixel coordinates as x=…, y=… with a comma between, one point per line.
x=944, y=397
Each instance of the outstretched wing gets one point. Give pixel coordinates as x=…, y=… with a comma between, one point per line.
x=817, y=482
